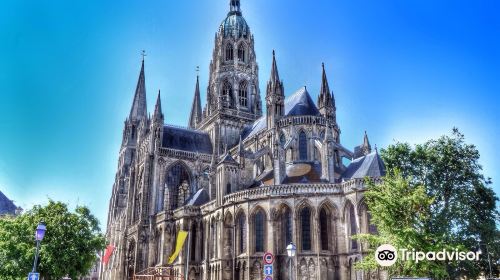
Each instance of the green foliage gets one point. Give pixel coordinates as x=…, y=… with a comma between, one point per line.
x=435, y=197
x=68, y=249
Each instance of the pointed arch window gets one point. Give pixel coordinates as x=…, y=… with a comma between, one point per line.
x=323, y=224
x=227, y=94
x=229, y=52
x=242, y=53
x=243, y=94
x=286, y=227
x=353, y=227
x=259, y=227
x=305, y=218
x=302, y=146
x=241, y=234
x=194, y=232
x=228, y=188
x=177, y=180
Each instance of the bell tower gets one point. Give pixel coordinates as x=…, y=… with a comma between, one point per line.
x=233, y=95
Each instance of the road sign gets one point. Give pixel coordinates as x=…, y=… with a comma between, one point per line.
x=268, y=258
x=269, y=278
x=33, y=276
x=268, y=269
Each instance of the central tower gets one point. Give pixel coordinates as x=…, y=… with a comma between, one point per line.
x=233, y=95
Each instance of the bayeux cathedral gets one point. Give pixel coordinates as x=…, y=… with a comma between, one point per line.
x=242, y=182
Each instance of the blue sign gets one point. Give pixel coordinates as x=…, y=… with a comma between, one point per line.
x=268, y=269
x=34, y=276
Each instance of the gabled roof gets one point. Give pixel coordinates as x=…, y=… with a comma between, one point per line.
x=300, y=103
x=7, y=207
x=185, y=139
x=370, y=165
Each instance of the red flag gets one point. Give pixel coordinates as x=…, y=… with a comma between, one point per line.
x=107, y=253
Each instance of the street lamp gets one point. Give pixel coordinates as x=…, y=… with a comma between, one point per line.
x=291, y=249
x=39, y=234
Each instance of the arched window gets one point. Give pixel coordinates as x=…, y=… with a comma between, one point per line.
x=259, y=226
x=193, y=242
x=353, y=228
x=243, y=94
x=241, y=234
x=372, y=229
x=228, y=188
x=213, y=239
x=282, y=140
x=323, y=224
x=305, y=218
x=241, y=52
x=322, y=135
x=177, y=179
x=229, y=52
x=302, y=146
x=286, y=227
x=227, y=94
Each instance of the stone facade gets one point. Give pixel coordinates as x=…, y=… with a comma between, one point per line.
x=240, y=183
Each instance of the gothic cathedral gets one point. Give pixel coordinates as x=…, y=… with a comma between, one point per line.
x=240, y=181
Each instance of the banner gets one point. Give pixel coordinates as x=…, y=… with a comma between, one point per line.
x=107, y=253
x=181, y=238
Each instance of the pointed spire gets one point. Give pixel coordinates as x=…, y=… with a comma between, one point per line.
x=367, y=148
x=195, y=116
x=139, y=108
x=157, y=115
x=275, y=77
x=325, y=98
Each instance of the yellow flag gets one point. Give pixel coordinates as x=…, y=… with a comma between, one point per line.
x=181, y=238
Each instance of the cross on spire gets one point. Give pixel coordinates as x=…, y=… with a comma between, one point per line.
x=143, y=54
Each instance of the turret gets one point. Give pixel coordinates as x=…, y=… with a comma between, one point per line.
x=157, y=123
x=275, y=96
x=326, y=101
x=196, y=115
x=363, y=149
x=227, y=177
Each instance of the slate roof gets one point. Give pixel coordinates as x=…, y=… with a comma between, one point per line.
x=199, y=198
x=185, y=139
x=370, y=165
x=298, y=104
x=7, y=207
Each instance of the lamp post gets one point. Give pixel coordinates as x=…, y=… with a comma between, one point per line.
x=291, y=249
x=39, y=234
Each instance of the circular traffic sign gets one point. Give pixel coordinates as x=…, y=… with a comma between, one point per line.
x=268, y=258
x=269, y=278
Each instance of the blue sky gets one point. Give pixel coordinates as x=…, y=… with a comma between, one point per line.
x=402, y=70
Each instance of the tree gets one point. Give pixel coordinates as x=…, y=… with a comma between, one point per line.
x=400, y=211
x=463, y=211
x=68, y=249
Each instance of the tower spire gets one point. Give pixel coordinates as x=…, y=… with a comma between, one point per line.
x=139, y=108
x=275, y=96
x=195, y=116
x=326, y=103
x=157, y=115
x=275, y=77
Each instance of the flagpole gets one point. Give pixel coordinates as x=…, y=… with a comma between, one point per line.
x=186, y=271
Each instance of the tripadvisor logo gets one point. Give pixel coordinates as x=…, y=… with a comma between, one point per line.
x=387, y=255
